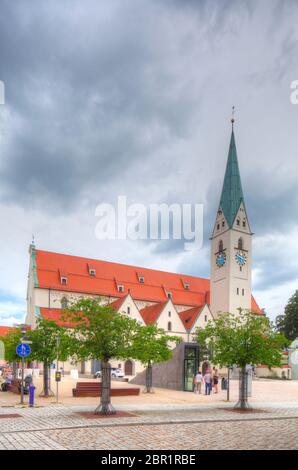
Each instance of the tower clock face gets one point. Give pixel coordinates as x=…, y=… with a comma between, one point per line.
x=220, y=259
x=240, y=258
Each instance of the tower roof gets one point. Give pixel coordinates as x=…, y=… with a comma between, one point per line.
x=231, y=195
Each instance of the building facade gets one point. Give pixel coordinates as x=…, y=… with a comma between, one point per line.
x=177, y=303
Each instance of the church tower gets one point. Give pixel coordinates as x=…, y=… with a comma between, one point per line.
x=231, y=261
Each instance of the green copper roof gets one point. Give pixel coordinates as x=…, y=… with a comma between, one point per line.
x=231, y=195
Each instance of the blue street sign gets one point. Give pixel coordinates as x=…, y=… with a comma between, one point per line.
x=23, y=350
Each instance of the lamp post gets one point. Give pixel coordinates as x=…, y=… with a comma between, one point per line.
x=23, y=331
x=57, y=368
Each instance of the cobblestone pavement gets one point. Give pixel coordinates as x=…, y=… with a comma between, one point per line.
x=167, y=427
x=59, y=416
x=260, y=434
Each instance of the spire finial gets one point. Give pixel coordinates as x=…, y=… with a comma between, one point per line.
x=233, y=116
x=33, y=240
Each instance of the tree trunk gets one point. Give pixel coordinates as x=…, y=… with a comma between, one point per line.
x=105, y=407
x=45, y=379
x=14, y=369
x=243, y=403
x=148, y=388
x=46, y=389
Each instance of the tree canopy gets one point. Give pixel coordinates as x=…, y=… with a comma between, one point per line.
x=288, y=323
x=242, y=339
x=152, y=344
x=11, y=340
x=100, y=332
x=44, y=342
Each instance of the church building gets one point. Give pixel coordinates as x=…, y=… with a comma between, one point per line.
x=178, y=303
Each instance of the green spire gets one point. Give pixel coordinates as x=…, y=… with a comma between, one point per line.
x=231, y=195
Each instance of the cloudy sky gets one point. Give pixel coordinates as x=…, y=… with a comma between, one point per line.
x=133, y=97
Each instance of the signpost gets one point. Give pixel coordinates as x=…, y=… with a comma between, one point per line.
x=23, y=350
x=57, y=373
x=58, y=376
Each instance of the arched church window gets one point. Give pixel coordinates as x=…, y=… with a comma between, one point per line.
x=238, y=222
x=220, y=246
x=240, y=244
x=244, y=223
x=64, y=302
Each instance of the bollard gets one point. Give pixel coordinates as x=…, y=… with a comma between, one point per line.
x=31, y=394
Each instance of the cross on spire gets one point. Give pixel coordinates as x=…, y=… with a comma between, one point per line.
x=233, y=116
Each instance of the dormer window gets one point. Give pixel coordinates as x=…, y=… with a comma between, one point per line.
x=120, y=288
x=141, y=279
x=185, y=283
x=91, y=270
x=63, y=277
x=169, y=295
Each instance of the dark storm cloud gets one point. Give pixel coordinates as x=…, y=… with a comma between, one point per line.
x=133, y=97
x=94, y=87
x=84, y=90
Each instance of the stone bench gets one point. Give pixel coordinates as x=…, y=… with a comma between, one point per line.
x=93, y=389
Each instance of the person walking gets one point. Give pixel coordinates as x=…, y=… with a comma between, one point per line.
x=208, y=382
x=198, y=380
x=215, y=381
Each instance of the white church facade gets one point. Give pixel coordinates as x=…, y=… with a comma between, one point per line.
x=178, y=303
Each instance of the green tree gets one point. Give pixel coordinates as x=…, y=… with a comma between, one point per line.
x=10, y=341
x=288, y=323
x=101, y=334
x=49, y=340
x=241, y=340
x=152, y=345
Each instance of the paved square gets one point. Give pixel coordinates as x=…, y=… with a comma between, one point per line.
x=166, y=427
x=166, y=419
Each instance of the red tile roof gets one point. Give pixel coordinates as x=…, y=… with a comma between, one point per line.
x=54, y=314
x=189, y=316
x=5, y=329
x=49, y=266
x=117, y=303
x=150, y=314
x=254, y=306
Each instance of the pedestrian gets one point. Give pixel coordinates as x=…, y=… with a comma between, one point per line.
x=198, y=380
x=7, y=383
x=208, y=382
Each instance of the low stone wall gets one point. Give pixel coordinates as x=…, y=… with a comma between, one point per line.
x=275, y=372
x=167, y=374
